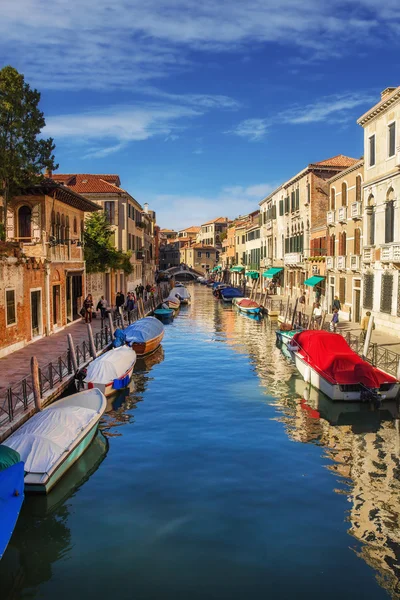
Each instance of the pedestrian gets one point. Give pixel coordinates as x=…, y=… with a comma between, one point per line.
x=317, y=316
x=335, y=320
x=302, y=302
x=119, y=300
x=88, y=306
x=336, y=303
x=130, y=302
x=102, y=305
x=364, y=325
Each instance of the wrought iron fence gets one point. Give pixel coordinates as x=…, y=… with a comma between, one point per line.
x=16, y=398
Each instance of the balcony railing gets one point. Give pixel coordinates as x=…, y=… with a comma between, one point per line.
x=342, y=214
x=330, y=262
x=356, y=211
x=355, y=260
x=330, y=217
x=341, y=263
x=293, y=258
x=390, y=253
x=367, y=255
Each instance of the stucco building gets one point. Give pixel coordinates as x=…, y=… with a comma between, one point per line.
x=212, y=232
x=381, y=214
x=200, y=257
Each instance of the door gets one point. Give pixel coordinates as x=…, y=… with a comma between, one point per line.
x=332, y=294
x=56, y=305
x=357, y=305
x=77, y=299
x=69, y=298
x=36, y=313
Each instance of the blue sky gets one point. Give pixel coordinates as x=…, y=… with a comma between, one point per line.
x=202, y=108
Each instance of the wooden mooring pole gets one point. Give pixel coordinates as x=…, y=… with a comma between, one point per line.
x=36, y=383
x=92, y=347
x=72, y=353
x=368, y=337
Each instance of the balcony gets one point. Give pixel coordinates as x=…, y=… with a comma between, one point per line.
x=356, y=211
x=355, y=260
x=390, y=253
x=330, y=262
x=330, y=218
x=342, y=214
x=367, y=254
x=293, y=258
x=341, y=263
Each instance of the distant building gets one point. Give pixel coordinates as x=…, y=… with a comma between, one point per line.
x=213, y=232
x=381, y=213
x=200, y=257
x=148, y=252
x=169, y=255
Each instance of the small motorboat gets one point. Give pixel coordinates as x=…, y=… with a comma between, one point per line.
x=111, y=371
x=172, y=302
x=229, y=293
x=145, y=335
x=51, y=441
x=327, y=362
x=11, y=493
x=248, y=306
x=165, y=315
x=181, y=293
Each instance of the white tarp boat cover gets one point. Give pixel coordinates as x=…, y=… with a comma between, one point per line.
x=111, y=365
x=172, y=299
x=181, y=292
x=49, y=434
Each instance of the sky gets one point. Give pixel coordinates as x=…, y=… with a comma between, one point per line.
x=202, y=107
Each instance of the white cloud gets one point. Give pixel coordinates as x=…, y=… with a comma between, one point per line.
x=252, y=129
x=76, y=44
x=198, y=151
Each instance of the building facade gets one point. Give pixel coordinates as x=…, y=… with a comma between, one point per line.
x=200, y=257
x=42, y=269
x=148, y=254
x=345, y=241
x=213, y=232
x=381, y=214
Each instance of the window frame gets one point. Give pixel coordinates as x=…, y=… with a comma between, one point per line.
x=371, y=164
x=389, y=125
x=11, y=289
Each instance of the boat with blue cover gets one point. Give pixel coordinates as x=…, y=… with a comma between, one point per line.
x=11, y=493
x=228, y=294
x=143, y=337
x=165, y=315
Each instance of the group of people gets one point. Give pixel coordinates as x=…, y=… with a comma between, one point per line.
x=121, y=303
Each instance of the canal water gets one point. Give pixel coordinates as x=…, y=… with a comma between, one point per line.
x=219, y=476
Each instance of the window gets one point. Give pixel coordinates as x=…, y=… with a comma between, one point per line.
x=333, y=198
x=207, y=255
x=287, y=204
x=308, y=193
x=358, y=188
x=297, y=198
x=357, y=241
x=199, y=255
x=392, y=139
x=344, y=194
x=342, y=290
x=11, y=316
x=386, y=293
x=368, y=299
x=389, y=222
x=243, y=239
x=25, y=223
x=109, y=209
x=292, y=202
x=372, y=151
x=281, y=208
x=342, y=243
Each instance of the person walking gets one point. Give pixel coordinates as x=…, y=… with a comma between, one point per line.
x=336, y=304
x=88, y=306
x=364, y=325
x=102, y=306
x=335, y=320
x=119, y=300
x=317, y=316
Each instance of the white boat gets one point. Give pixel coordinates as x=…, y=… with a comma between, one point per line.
x=54, y=438
x=111, y=371
x=181, y=293
x=327, y=362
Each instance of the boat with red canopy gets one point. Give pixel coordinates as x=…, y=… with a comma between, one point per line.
x=327, y=362
x=247, y=305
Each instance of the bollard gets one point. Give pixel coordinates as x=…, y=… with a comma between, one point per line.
x=35, y=383
x=92, y=347
x=111, y=324
x=72, y=352
x=368, y=337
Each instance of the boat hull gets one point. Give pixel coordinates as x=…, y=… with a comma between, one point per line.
x=249, y=310
x=108, y=388
x=148, y=347
x=12, y=497
x=333, y=391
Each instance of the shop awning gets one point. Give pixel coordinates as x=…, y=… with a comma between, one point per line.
x=236, y=269
x=252, y=274
x=272, y=272
x=216, y=269
x=313, y=280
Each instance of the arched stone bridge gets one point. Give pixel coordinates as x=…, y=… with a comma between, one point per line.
x=184, y=272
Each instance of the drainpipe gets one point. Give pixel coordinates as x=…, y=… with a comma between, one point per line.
x=47, y=296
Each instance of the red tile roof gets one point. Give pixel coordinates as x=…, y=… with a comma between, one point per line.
x=90, y=184
x=218, y=220
x=191, y=229
x=338, y=161
x=201, y=247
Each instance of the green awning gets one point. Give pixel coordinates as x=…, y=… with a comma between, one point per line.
x=252, y=274
x=272, y=272
x=216, y=269
x=236, y=269
x=311, y=281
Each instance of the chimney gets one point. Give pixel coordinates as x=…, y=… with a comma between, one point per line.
x=387, y=92
x=146, y=207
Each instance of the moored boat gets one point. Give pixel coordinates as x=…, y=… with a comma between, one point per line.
x=327, y=362
x=145, y=335
x=248, y=306
x=229, y=293
x=111, y=371
x=181, y=293
x=165, y=315
x=54, y=438
x=172, y=302
x=11, y=493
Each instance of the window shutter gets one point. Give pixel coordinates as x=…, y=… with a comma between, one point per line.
x=389, y=222
x=368, y=299
x=274, y=211
x=342, y=290
x=357, y=241
x=387, y=293
x=297, y=199
x=37, y=222
x=10, y=223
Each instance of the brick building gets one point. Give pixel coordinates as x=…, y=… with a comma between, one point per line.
x=42, y=269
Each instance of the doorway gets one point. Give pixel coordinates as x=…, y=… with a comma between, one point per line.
x=357, y=300
x=25, y=223
x=36, y=313
x=56, y=305
x=74, y=297
x=332, y=294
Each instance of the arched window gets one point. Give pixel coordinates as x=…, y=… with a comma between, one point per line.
x=358, y=188
x=344, y=194
x=25, y=223
x=370, y=210
x=389, y=217
x=342, y=243
x=333, y=198
x=75, y=225
x=357, y=241
x=332, y=241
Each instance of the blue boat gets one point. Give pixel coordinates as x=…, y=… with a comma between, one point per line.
x=228, y=294
x=165, y=315
x=11, y=493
